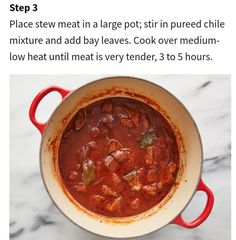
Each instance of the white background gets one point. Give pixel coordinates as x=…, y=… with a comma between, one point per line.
x=111, y=10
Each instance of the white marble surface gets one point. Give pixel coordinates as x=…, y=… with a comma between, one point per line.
x=32, y=214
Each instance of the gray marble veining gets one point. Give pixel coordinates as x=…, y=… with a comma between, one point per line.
x=33, y=215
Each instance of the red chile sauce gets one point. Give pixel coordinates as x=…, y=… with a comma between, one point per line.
x=118, y=157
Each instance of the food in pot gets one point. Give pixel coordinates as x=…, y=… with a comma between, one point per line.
x=118, y=157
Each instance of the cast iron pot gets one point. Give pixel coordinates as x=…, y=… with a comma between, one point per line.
x=189, y=143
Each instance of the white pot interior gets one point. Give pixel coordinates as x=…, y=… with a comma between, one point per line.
x=190, y=154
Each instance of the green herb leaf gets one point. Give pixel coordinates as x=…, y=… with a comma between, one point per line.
x=89, y=172
x=147, y=139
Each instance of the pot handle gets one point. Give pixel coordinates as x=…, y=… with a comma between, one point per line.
x=37, y=100
x=203, y=216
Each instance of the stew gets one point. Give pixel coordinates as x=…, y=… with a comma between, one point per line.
x=118, y=157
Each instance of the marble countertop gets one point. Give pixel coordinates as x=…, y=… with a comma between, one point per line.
x=32, y=213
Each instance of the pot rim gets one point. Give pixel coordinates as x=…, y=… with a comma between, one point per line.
x=87, y=85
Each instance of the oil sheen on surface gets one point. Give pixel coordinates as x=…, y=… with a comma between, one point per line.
x=118, y=157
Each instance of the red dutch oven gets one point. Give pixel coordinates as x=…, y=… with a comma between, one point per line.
x=169, y=211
